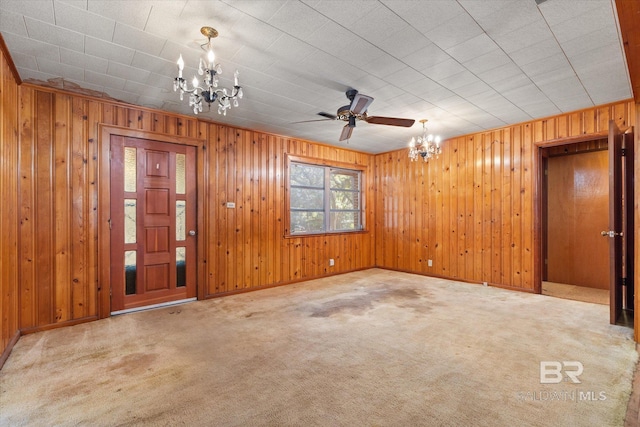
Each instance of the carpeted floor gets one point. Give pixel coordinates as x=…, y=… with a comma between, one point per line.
x=366, y=348
x=578, y=293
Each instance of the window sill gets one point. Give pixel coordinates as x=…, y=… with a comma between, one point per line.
x=329, y=233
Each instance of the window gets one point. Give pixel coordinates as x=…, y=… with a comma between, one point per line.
x=324, y=199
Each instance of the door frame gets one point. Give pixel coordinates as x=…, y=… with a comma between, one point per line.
x=545, y=156
x=538, y=196
x=104, y=206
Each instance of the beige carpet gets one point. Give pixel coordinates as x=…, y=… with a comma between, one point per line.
x=578, y=293
x=366, y=348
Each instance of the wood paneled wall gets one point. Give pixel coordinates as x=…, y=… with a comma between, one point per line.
x=244, y=247
x=472, y=211
x=9, y=205
x=247, y=246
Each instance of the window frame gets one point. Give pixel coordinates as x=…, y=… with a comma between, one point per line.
x=327, y=165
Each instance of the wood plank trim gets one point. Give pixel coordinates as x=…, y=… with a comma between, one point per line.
x=162, y=118
x=34, y=329
x=7, y=350
x=472, y=282
x=284, y=283
x=628, y=18
x=10, y=63
x=572, y=139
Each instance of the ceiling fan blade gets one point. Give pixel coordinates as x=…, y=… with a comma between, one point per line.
x=391, y=121
x=309, y=121
x=346, y=132
x=360, y=103
x=327, y=115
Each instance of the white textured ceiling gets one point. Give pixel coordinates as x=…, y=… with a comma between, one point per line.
x=465, y=65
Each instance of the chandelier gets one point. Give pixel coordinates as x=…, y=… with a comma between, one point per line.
x=426, y=146
x=209, y=91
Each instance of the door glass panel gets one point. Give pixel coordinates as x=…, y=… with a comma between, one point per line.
x=181, y=267
x=129, y=220
x=181, y=161
x=130, y=169
x=130, y=272
x=181, y=220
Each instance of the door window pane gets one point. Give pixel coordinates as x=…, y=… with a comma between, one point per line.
x=181, y=266
x=181, y=162
x=129, y=220
x=181, y=220
x=130, y=169
x=130, y=272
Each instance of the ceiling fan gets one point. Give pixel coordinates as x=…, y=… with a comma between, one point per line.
x=357, y=110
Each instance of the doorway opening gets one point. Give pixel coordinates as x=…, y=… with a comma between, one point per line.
x=575, y=212
x=586, y=232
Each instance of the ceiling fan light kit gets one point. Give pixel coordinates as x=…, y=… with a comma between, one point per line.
x=425, y=146
x=209, y=92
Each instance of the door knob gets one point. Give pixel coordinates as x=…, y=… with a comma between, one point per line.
x=610, y=233
x=192, y=232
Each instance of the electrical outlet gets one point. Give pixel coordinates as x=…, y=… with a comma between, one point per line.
x=430, y=263
x=331, y=263
x=231, y=205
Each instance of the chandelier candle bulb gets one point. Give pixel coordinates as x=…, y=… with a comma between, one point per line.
x=180, y=66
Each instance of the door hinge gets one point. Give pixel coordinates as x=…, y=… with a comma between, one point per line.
x=624, y=281
x=109, y=221
x=624, y=152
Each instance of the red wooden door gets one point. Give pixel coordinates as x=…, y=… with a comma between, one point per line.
x=153, y=219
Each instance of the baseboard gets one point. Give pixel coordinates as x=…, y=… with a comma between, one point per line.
x=275, y=285
x=25, y=331
x=457, y=279
x=513, y=288
x=7, y=350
